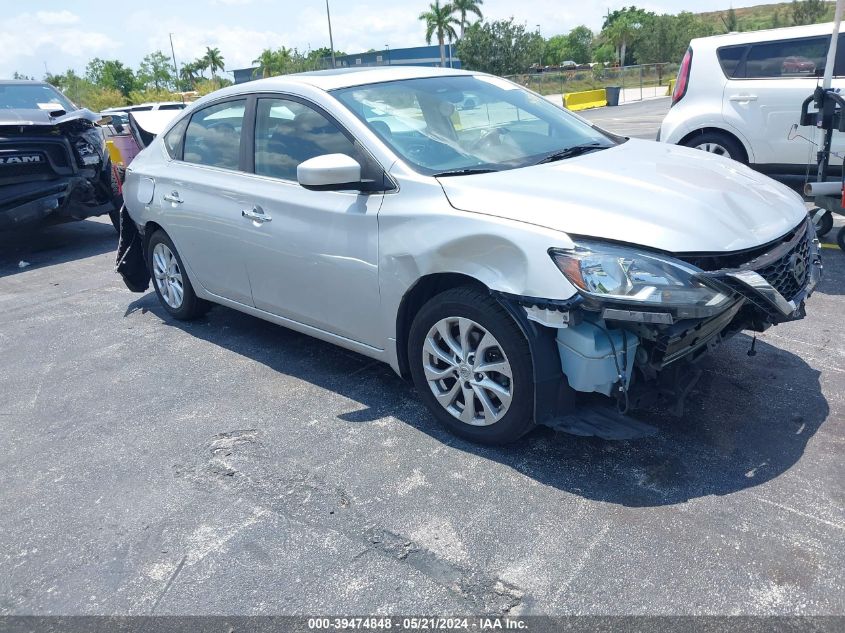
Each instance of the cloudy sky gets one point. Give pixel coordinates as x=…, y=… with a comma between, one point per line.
x=61, y=34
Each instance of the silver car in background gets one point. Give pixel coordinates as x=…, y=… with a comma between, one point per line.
x=501, y=252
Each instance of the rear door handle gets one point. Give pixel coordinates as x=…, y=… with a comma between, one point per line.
x=256, y=214
x=743, y=98
x=173, y=197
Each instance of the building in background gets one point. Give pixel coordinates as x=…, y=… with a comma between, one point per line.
x=414, y=56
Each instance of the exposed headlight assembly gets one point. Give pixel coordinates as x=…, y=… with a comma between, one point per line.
x=653, y=286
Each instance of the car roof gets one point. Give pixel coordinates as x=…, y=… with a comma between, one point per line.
x=766, y=35
x=347, y=77
x=28, y=82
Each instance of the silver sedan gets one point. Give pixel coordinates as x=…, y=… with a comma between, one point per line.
x=500, y=251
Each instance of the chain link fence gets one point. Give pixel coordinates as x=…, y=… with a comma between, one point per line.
x=637, y=82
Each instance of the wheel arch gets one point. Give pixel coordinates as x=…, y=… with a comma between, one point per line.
x=150, y=228
x=417, y=295
x=749, y=155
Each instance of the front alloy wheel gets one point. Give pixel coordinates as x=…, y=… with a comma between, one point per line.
x=467, y=371
x=471, y=366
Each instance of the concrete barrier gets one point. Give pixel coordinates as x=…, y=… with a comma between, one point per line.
x=585, y=99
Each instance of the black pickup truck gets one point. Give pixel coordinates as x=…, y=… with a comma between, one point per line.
x=54, y=165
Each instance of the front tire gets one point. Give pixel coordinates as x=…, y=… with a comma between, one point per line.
x=472, y=366
x=170, y=280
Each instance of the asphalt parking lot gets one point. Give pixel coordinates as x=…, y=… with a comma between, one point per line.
x=231, y=466
x=640, y=119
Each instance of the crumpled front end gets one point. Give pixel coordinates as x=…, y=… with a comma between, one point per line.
x=57, y=169
x=635, y=353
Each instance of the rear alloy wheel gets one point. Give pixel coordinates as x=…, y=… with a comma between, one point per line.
x=171, y=284
x=719, y=144
x=472, y=367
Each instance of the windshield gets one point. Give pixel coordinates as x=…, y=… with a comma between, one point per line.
x=468, y=123
x=33, y=96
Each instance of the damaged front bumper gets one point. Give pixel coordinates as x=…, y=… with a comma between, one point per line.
x=634, y=355
x=71, y=197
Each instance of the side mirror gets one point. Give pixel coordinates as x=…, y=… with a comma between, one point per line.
x=329, y=172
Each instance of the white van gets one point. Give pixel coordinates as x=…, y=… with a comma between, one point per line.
x=740, y=94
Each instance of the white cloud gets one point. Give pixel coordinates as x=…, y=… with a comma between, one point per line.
x=53, y=18
x=52, y=38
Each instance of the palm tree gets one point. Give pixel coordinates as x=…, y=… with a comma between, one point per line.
x=189, y=73
x=273, y=62
x=439, y=19
x=620, y=33
x=213, y=60
x=464, y=8
x=266, y=63
x=199, y=65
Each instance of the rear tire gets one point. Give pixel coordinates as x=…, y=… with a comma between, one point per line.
x=840, y=238
x=171, y=283
x=471, y=366
x=718, y=143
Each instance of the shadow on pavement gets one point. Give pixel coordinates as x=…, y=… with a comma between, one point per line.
x=54, y=244
x=748, y=421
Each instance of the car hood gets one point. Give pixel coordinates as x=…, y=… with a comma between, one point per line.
x=662, y=196
x=36, y=116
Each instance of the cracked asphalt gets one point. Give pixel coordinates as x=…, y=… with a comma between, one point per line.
x=230, y=466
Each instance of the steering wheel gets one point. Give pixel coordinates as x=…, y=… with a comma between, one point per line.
x=490, y=138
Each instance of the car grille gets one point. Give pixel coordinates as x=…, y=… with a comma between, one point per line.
x=55, y=159
x=784, y=263
x=788, y=274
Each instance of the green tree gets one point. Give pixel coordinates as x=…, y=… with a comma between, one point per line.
x=621, y=28
x=730, y=21
x=808, y=11
x=111, y=73
x=580, y=44
x=503, y=47
x=271, y=62
x=463, y=8
x=190, y=73
x=439, y=20
x=20, y=76
x=556, y=50
x=156, y=71
x=213, y=60
x=664, y=38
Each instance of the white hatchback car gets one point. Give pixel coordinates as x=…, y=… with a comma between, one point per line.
x=739, y=95
x=505, y=255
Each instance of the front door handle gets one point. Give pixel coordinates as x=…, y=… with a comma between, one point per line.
x=256, y=214
x=173, y=197
x=743, y=98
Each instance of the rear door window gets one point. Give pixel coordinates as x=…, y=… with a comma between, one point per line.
x=213, y=136
x=785, y=59
x=729, y=59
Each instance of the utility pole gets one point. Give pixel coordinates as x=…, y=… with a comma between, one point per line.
x=331, y=40
x=387, y=46
x=175, y=67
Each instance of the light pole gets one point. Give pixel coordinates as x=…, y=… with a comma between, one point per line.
x=331, y=40
x=175, y=67
x=387, y=46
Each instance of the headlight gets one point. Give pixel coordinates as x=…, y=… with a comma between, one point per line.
x=627, y=275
